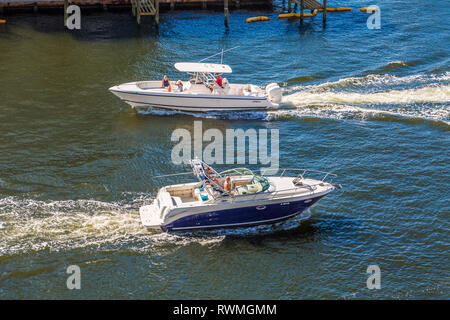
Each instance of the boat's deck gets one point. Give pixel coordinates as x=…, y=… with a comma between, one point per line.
x=234, y=89
x=188, y=199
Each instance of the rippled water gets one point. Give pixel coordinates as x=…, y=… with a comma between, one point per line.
x=370, y=105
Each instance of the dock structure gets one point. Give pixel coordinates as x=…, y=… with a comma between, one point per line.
x=11, y=6
x=138, y=8
x=309, y=5
x=145, y=8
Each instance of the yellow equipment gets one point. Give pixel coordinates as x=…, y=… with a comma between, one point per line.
x=256, y=19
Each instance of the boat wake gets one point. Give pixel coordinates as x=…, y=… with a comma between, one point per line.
x=373, y=97
x=439, y=115
x=428, y=94
x=377, y=82
x=33, y=225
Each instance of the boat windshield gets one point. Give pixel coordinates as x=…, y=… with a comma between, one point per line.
x=243, y=180
x=237, y=172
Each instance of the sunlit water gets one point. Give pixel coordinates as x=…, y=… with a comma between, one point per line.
x=75, y=166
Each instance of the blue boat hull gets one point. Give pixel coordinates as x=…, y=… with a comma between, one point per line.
x=241, y=217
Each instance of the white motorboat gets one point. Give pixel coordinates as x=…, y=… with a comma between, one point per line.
x=200, y=93
x=233, y=198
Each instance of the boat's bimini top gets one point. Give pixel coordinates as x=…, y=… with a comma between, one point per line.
x=203, y=67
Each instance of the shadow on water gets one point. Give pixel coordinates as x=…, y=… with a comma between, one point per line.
x=302, y=227
x=338, y=230
x=306, y=231
x=94, y=26
x=121, y=25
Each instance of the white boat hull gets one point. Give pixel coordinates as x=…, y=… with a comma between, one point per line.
x=140, y=99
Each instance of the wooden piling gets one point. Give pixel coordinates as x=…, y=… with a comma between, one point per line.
x=66, y=5
x=324, y=12
x=225, y=4
x=157, y=13
x=138, y=11
x=302, y=5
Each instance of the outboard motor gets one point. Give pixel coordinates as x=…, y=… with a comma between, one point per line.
x=273, y=92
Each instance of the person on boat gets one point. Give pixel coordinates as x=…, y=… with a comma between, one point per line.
x=211, y=176
x=219, y=80
x=166, y=83
x=180, y=86
x=227, y=184
x=210, y=173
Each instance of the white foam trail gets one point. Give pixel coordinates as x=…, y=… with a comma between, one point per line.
x=346, y=98
x=338, y=111
x=435, y=94
x=33, y=225
x=376, y=81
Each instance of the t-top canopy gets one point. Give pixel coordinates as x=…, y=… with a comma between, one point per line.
x=202, y=67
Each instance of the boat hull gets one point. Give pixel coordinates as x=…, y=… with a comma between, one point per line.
x=193, y=102
x=241, y=217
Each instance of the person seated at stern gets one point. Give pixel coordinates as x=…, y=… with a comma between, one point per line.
x=219, y=80
x=166, y=84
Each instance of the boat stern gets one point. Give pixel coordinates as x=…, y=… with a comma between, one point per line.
x=274, y=95
x=150, y=216
x=273, y=106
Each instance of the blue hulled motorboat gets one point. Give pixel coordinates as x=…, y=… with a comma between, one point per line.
x=233, y=198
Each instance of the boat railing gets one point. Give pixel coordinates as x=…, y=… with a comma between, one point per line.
x=300, y=173
x=299, y=176
x=265, y=172
x=272, y=194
